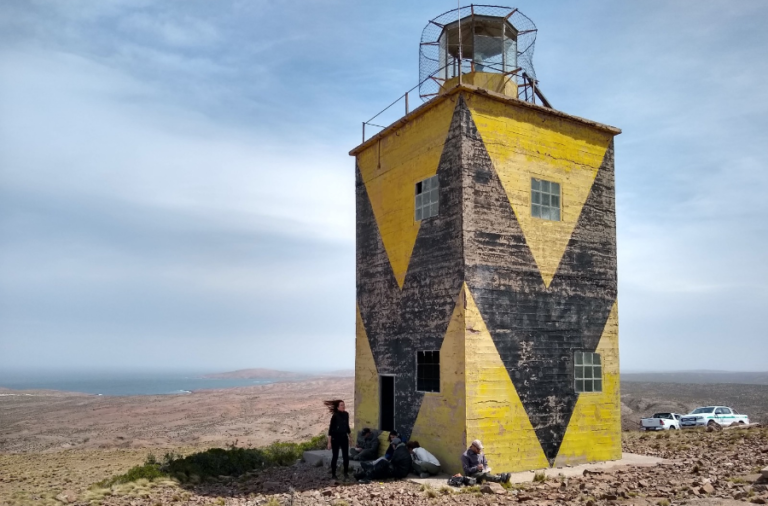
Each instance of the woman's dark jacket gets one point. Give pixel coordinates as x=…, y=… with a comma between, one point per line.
x=401, y=461
x=339, y=425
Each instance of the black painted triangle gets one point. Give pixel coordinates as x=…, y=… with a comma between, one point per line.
x=537, y=330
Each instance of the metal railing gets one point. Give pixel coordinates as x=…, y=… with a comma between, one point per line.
x=527, y=90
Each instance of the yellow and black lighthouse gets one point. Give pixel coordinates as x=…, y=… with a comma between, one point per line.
x=486, y=260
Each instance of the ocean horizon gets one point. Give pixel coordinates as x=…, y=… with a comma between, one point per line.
x=124, y=384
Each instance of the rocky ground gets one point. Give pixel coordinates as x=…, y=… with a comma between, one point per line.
x=703, y=468
x=719, y=466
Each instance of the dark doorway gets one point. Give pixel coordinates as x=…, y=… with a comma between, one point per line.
x=387, y=403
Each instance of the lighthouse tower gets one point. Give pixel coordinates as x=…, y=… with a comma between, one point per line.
x=486, y=260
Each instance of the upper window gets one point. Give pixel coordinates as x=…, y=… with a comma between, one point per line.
x=545, y=199
x=588, y=372
x=428, y=371
x=427, y=198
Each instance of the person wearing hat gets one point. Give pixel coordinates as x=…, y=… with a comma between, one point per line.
x=476, y=465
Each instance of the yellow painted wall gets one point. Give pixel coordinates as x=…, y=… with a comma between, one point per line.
x=440, y=426
x=594, y=432
x=525, y=143
x=498, y=83
x=366, y=381
x=477, y=398
x=495, y=414
x=390, y=170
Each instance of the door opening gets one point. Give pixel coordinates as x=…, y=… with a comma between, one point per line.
x=387, y=403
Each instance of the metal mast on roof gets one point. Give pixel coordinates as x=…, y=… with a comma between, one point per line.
x=458, y=16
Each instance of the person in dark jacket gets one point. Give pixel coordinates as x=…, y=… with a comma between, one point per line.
x=391, y=448
x=476, y=465
x=367, y=448
x=398, y=467
x=338, y=435
x=401, y=459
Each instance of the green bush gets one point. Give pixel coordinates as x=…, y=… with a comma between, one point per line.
x=147, y=471
x=216, y=462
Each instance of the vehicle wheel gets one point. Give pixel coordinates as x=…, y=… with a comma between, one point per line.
x=672, y=427
x=741, y=422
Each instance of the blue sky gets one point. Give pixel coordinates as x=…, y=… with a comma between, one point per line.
x=175, y=188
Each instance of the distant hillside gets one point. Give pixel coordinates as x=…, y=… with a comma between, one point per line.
x=341, y=373
x=255, y=374
x=698, y=377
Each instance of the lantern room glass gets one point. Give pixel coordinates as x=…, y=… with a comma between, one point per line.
x=488, y=44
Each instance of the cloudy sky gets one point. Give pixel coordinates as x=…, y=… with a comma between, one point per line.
x=175, y=188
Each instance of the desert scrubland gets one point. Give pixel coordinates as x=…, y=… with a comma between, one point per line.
x=54, y=446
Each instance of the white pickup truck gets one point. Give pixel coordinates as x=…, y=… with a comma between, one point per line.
x=661, y=421
x=713, y=415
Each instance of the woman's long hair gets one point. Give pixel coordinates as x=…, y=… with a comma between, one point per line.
x=333, y=406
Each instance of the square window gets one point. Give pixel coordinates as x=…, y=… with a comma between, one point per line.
x=545, y=199
x=427, y=198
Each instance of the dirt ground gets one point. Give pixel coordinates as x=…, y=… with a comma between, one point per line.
x=49, y=421
x=54, y=446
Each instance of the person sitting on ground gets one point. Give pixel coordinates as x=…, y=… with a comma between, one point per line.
x=398, y=467
x=424, y=463
x=390, y=449
x=476, y=465
x=367, y=448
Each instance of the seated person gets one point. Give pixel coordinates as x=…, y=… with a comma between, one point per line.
x=424, y=463
x=397, y=467
x=367, y=446
x=476, y=465
x=390, y=449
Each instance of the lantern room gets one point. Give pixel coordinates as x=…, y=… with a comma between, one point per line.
x=486, y=46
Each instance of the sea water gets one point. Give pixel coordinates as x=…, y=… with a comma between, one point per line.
x=120, y=384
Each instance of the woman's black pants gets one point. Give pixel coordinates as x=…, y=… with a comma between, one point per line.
x=339, y=443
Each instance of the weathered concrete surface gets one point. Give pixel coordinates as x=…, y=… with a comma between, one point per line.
x=530, y=292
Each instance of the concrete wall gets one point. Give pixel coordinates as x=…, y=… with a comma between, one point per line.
x=544, y=289
x=506, y=298
x=409, y=274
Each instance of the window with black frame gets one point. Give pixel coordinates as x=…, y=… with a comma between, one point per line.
x=428, y=371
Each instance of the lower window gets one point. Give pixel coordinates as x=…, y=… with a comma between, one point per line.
x=428, y=371
x=588, y=372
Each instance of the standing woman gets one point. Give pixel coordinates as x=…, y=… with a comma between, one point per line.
x=338, y=435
